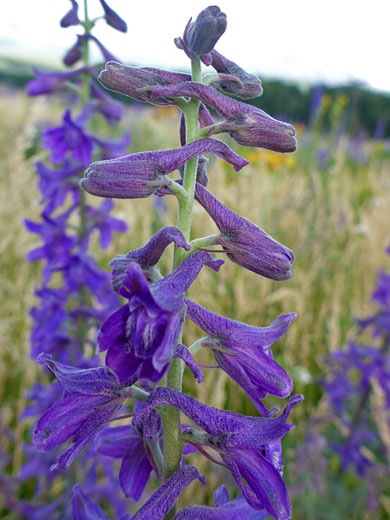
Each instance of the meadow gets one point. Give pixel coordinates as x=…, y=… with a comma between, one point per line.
x=329, y=202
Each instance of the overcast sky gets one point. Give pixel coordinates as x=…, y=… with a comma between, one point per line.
x=303, y=40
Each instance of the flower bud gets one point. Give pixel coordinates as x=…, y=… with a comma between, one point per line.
x=112, y=18
x=129, y=80
x=203, y=34
x=249, y=85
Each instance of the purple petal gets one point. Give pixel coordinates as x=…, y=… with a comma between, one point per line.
x=169, y=291
x=83, y=508
x=134, y=471
x=183, y=353
x=62, y=420
x=112, y=18
x=90, y=381
x=147, y=255
x=265, y=489
x=71, y=17
x=250, y=84
x=163, y=499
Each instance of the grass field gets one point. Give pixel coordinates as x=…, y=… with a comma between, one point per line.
x=336, y=220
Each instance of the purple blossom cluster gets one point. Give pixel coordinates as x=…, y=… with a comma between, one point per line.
x=75, y=295
x=142, y=338
x=354, y=374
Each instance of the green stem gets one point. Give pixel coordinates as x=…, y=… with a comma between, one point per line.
x=82, y=329
x=173, y=447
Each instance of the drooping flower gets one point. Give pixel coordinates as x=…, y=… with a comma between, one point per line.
x=143, y=334
x=249, y=85
x=112, y=18
x=243, y=352
x=92, y=397
x=247, y=124
x=148, y=255
x=132, y=80
x=49, y=82
x=245, y=243
x=139, y=175
x=71, y=17
x=249, y=446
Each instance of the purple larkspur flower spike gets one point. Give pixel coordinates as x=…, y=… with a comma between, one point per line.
x=126, y=443
x=68, y=138
x=112, y=18
x=236, y=509
x=202, y=34
x=245, y=243
x=163, y=499
x=144, y=332
x=249, y=85
x=148, y=255
x=248, y=125
x=92, y=397
x=131, y=80
x=242, y=351
x=71, y=17
x=83, y=508
x=139, y=175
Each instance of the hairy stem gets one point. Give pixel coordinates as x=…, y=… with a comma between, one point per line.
x=171, y=417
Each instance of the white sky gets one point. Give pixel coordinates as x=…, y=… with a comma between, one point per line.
x=303, y=40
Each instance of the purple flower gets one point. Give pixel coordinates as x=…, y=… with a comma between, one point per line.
x=75, y=53
x=202, y=35
x=243, y=352
x=56, y=184
x=139, y=175
x=223, y=510
x=57, y=246
x=164, y=498
x=68, y=138
x=83, y=508
x=245, y=243
x=71, y=17
x=249, y=85
x=148, y=255
x=112, y=18
x=100, y=219
x=143, y=334
x=247, y=124
x=92, y=397
x=127, y=443
x=49, y=82
x=249, y=446
x=131, y=80
x=112, y=110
